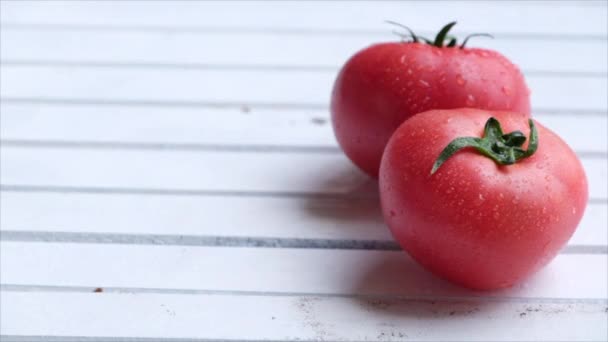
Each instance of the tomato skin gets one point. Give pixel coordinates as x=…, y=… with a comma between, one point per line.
x=474, y=222
x=385, y=84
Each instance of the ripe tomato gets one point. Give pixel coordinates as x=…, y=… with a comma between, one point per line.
x=385, y=84
x=475, y=222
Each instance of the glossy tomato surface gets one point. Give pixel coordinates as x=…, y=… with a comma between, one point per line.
x=474, y=222
x=385, y=84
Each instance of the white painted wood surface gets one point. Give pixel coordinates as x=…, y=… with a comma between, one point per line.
x=178, y=157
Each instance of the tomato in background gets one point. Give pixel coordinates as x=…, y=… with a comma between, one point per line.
x=387, y=83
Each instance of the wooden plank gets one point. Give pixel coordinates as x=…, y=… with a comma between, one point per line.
x=275, y=270
x=265, y=50
x=241, y=86
x=194, y=215
x=284, y=173
x=214, y=317
x=184, y=216
x=221, y=127
x=556, y=18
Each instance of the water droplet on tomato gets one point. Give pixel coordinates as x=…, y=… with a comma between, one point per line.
x=481, y=197
x=403, y=59
x=460, y=80
x=544, y=210
x=424, y=83
x=409, y=71
x=470, y=100
x=573, y=210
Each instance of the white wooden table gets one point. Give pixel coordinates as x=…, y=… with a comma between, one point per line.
x=169, y=174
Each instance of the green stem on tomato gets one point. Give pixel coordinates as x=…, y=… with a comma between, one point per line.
x=442, y=34
x=442, y=39
x=504, y=149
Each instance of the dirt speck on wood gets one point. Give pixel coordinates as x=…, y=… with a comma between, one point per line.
x=319, y=121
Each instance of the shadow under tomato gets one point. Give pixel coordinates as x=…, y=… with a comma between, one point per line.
x=348, y=195
x=391, y=283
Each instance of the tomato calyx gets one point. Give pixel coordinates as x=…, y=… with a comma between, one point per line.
x=442, y=39
x=504, y=149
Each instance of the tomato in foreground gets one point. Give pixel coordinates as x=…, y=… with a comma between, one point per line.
x=466, y=217
x=385, y=84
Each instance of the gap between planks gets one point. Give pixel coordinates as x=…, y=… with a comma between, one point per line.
x=233, y=104
x=282, y=31
x=231, y=241
x=247, y=67
x=484, y=297
x=181, y=192
x=269, y=148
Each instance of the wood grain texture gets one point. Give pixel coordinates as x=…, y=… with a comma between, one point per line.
x=267, y=50
x=304, y=318
x=166, y=219
x=221, y=128
x=169, y=173
x=274, y=270
x=301, y=318
x=555, y=18
x=244, y=87
x=285, y=173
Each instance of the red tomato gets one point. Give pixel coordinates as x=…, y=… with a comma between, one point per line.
x=475, y=222
x=385, y=84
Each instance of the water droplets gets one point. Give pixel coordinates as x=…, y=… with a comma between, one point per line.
x=403, y=59
x=573, y=210
x=409, y=71
x=481, y=198
x=541, y=165
x=460, y=80
x=470, y=100
x=424, y=83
